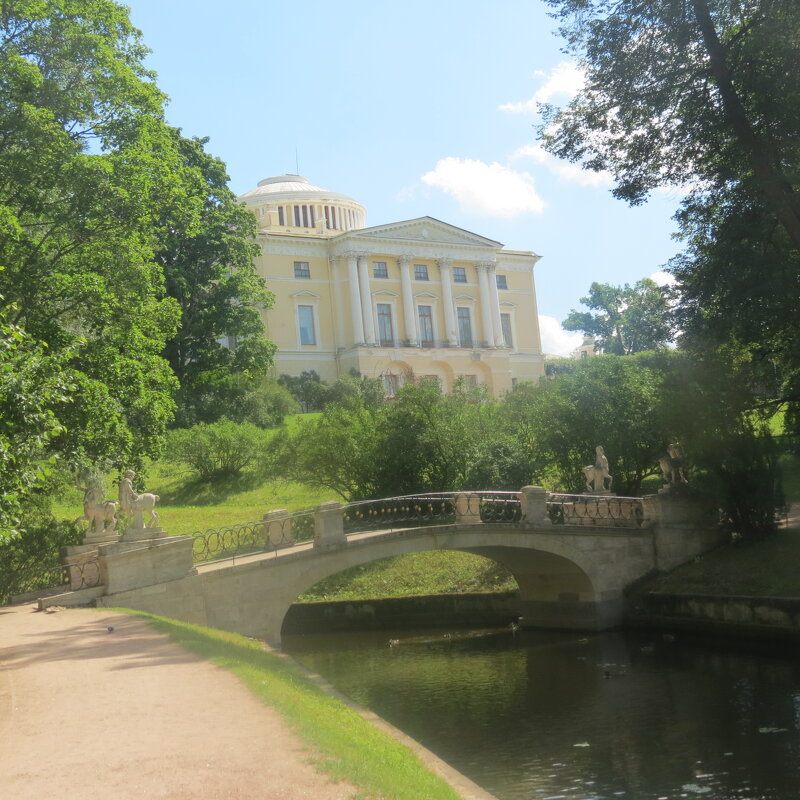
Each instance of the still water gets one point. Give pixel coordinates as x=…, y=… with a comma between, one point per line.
x=541, y=715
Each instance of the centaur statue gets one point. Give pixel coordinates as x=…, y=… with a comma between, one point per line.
x=101, y=514
x=597, y=474
x=673, y=466
x=137, y=504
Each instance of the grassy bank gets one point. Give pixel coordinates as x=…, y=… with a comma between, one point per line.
x=765, y=568
x=346, y=746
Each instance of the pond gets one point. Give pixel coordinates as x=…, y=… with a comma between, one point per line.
x=545, y=715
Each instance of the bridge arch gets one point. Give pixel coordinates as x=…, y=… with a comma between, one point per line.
x=551, y=577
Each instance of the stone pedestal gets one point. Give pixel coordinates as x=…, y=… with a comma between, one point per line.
x=329, y=525
x=468, y=509
x=134, y=564
x=277, y=528
x=533, y=504
x=142, y=534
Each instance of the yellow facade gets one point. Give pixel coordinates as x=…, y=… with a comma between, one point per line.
x=408, y=299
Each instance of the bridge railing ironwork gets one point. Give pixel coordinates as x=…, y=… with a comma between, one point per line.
x=275, y=531
x=596, y=510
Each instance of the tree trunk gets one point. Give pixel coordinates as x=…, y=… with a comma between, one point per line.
x=775, y=189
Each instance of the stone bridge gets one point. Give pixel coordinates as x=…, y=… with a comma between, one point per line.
x=572, y=556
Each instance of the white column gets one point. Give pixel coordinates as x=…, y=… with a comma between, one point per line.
x=494, y=301
x=366, y=299
x=450, y=329
x=486, y=313
x=409, y=315
x=336, y=298
x=355, y=299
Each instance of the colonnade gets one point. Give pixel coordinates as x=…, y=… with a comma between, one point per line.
x=487, y=323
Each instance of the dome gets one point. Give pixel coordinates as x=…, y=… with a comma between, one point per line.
x=284, y=187
x=285, y=203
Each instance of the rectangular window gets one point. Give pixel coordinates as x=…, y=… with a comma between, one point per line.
x=420, y=272
x=471, y=381
x=281, y=219
x=502, y=283
x=301, y=269
x=505, y=324
x=390, y=385
x=385, y=332
x=305, y=318
x=464, y=327
x=297, y=221
x=459, y=275
x=380, y=270
x=425, y=326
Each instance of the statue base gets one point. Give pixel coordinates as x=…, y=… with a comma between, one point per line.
x=142, y=534
x=101, y=537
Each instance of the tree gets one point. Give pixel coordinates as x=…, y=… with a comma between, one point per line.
x=307, y=388
x=86, y=162
x=611, y=401
x=32, y=386
x=630, y=319
x=219, y=351
x=696, y=93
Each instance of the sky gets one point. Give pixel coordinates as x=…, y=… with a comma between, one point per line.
x=413, y=109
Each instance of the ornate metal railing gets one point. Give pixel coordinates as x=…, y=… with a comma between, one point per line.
x=410, y=511
x=271, y=533
x=596, y=510
x=278, y=530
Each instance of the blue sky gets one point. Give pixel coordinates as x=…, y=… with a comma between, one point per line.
x=411, y=108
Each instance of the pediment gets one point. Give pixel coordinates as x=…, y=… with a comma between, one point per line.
x=424, y=229
x=305, y=293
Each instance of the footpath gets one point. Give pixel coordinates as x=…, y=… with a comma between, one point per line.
x=100, y=706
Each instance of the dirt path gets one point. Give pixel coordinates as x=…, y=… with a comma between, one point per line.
x=112, y=715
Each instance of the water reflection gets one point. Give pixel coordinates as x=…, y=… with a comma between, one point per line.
x=553, y=715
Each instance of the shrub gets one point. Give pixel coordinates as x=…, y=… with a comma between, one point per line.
x=219, y=449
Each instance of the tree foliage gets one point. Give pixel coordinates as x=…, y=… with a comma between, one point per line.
x=220, y=351
x=609, y=400
x=695, y=93
x=33, y=387
x=627, y=319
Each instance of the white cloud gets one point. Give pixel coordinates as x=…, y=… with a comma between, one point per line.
x=565, y=79
x=565, y=170
x=663, y=278
x=488, y=189
x=555, y=340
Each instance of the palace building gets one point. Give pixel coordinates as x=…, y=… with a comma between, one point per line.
x=418, y=298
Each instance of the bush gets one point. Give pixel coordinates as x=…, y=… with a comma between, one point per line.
x=219, y=449
x=30, y=561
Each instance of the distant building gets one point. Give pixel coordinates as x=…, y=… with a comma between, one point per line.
x=586, y=349
x=414, y=298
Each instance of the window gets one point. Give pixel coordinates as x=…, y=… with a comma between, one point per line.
x=385, y=333
x=420, y=272
x=471, y=381
x=390, y=385
x=464, y=327
x=505, y=324
x=459, y=275
x=425, y=326
x=305, y=320
x=502, y=283
x=281, y=218
x=301, y=269
x=379, y=269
